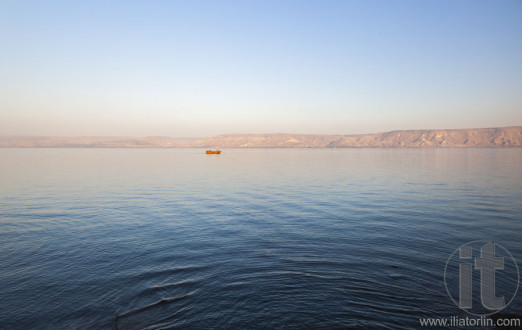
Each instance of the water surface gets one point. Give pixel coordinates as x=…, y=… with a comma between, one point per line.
x=251, y=238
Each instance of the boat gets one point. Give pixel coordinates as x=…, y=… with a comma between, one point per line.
x=216, y=152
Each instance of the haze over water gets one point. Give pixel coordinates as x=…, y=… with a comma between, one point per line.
x=251, y=238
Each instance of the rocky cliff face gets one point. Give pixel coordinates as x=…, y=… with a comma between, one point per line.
x=481, y=137
x=484, y=137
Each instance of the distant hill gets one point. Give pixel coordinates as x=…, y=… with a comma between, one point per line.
x=93, y=142
x=481, y=137
x=279, y=140
x=440, y=138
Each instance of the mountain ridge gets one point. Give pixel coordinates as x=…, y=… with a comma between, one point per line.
x=510, y=136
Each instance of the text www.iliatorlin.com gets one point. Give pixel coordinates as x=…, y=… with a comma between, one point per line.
x=455, y=321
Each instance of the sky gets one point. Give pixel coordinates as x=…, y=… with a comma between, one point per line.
x=201, y=68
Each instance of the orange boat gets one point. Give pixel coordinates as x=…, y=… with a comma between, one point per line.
x=217, y=152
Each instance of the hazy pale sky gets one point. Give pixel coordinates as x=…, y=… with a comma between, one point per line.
x=200, y=68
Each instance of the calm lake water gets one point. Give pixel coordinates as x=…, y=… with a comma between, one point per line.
x=251, y=238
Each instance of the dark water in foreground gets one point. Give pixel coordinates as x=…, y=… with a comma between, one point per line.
x=252, y=238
